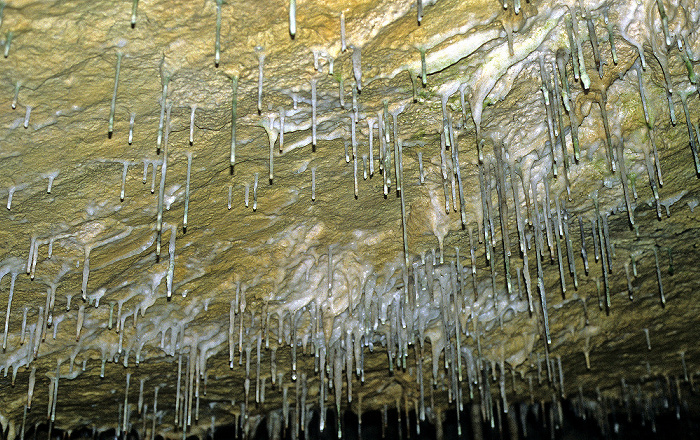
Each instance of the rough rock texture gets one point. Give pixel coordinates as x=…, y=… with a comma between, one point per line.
x=319, y=280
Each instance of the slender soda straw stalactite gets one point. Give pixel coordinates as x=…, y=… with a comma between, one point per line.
x=557, y=237
x=611, y=36
x=231, y=326
x=652, y=180
x=155, y=412
x=603, y=257
x=134, y=6
x=8, y=42
x=548, y=95
x=126, y=403
x=27, y=115
x=30, y=387
x=357, y=67
x=421, y=175
x=370, y=137
x=159, y=139
x=629, y=281
x=354, y=151
x=560, y=121
x=397, y=164
x=484, y=211
x=638, y=68
x=24, y=326
x=540, y=273
x=664, y=22
x=657, y=162
x=443, y=168
x=16, y=95
x=261, y=63
x=462, y=212
x=13, y=278
x=584, y=254
x=114, y=94
x=502, y=211
x=573, y=46
x=269, y=126
x=610, y=246
x=32, y=249
x=585, y=79
x=55, y=392
x=86, y=272
x=562, y=60
x=281, y=116
x=646, y=336
x=413, y=85
x=177, y=388
x=423, y=67
x=546, y=208
x=126, y=168
x=523, y=245
x=658, y=277
x=687, y=55
x=292, y=18
x=255, y=193
x=380, y=136
x=330, y=271
x=603, y=102
x=691, y=134
x=313, y=184
x=10, y=194
x=217, y=43
x=234, y=102
x=355, y=108
x=187, y=191
x=194, y=109
x=593, y=37
x=343, y=43
x=131, y=128
x=403, y=208
x=341, y=92
x=419, y=7
x=139, y=406
x=623, y=178
x=570, y=249
x=161, y=188
x=313, y=113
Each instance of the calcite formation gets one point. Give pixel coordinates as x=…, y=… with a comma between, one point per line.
x=269, y=214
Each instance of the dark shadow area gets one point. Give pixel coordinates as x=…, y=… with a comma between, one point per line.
x=572, y=419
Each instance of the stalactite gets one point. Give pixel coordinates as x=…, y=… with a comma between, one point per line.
x=548, y=101
x=114, y=95
x=585, y=80
x=623, y=179
x=292, y=18
x=569, y=247
x=658, y=277
x=540, y=273
x=691, y=133
x=261, y=62
x=594, y=44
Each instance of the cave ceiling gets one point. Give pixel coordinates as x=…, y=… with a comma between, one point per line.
x=244, y=208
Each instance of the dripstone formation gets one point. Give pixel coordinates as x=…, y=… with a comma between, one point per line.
x=466, y=217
